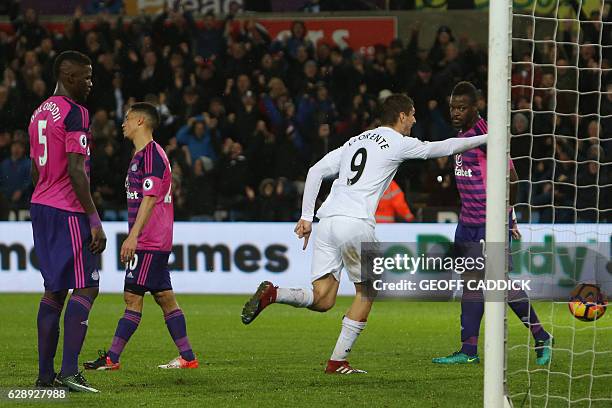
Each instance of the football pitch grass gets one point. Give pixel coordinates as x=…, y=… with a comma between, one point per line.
x=279, y=359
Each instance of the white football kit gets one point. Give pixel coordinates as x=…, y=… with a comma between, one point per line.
x=364, y=166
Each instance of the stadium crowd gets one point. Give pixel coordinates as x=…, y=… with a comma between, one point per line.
x=245, y=115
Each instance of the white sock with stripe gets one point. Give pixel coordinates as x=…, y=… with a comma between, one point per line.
x=297, y=297
x=349, y=333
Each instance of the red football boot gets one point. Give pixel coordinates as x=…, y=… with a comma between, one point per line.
x=341, y=367
x=264, y=296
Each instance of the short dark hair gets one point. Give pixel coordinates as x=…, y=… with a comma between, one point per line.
x=392, y=106
x=72, y=56
x=148, y=110
x=465, y=88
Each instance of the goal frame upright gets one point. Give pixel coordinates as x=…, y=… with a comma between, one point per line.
x=500, y=63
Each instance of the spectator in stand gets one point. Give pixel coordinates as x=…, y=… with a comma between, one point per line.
x=566, y=87
x=594, y=189
x=234, y=93
x=267, y=204
x=108, y=183
x=261, y=151
x=216, y=110
x=208, y=82
x=152, y=77
x=425, y=98
x=238, y=60
x=268, y=69
x=276, y=200
x=188, y=106
x=29, y=30
x=297, y=38
x=234, y=187
x=450, y=70
x=444, y=36
x=173, y=29
x=15, y=181
x=102, y=129
x=201, y=191
x=209, y=40
x=244, y=120
x=306, y=82
x=200, y=137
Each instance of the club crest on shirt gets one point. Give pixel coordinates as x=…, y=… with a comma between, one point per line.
x=147, y=184
x=95, y=275
x=134, y=167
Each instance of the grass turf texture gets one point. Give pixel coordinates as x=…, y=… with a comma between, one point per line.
x=279, y=359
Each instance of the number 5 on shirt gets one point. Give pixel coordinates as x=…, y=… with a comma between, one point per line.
x=42, y=139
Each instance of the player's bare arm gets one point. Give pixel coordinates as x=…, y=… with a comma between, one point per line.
x=142, y=218
x=34, y=172
x=80, y=185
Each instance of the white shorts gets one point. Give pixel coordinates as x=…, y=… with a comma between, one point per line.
x=338, y=244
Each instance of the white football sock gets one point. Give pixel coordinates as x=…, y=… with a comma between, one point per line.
x=349, y=333
x=298, y=297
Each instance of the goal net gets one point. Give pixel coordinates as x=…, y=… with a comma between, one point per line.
x=561, y=147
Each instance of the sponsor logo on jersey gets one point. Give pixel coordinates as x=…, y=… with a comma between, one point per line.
x=132, y=195
x=459, y=170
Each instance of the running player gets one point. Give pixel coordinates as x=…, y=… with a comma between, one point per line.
x=470, y=172
x=68, y=234
x=364, y=167
x=149, y=242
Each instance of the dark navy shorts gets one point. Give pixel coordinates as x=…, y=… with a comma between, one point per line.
x=469, y=242
x=148, y=272
x=61, y=242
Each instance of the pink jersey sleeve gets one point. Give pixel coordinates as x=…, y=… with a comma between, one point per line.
x=153, y=172
x=76, y=130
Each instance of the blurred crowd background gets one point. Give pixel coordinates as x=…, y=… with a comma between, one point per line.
x=245, y=115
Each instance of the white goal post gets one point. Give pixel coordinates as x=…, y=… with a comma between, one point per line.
x=500, y=63
x=550, y=96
